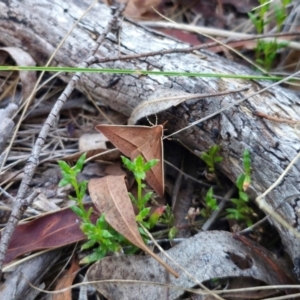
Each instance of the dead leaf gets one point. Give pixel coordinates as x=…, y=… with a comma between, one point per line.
x=110, y=196
x=207, y=255
x=162, y=99
x=66, y=281
x=52, y=230
x=140, y=140
x=22, y=58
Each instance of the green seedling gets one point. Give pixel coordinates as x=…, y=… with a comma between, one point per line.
x=258, y=19
x=281, y=13
x=101, y=237
x=139, y=169
x=168, y=219
x=241, y=211
x=211, y=204
x=265, y=52
x=211, y=157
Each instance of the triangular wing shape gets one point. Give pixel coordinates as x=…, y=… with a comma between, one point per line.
x=153, y=148
x=143, y=140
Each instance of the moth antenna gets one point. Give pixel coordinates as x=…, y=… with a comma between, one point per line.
x=151, y=122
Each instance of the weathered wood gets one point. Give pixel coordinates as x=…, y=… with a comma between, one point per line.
x=6, y=126
x=272, y=145
x=16, y=285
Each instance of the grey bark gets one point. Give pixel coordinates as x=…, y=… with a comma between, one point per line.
x=16, y=285
x=6, y=126
x=272, y=145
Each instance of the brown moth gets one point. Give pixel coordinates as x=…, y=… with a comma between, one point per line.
x=140, y=140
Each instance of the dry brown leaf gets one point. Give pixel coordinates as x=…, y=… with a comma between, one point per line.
x=140, y=140
x=22, y=58
x=207, y=255
x=66, y=281
x=110, y=196
x=49, y=231
x=162, y=99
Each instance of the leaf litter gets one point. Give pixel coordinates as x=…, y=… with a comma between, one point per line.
x=110, y=196
x=207, y=255
x=49, y=231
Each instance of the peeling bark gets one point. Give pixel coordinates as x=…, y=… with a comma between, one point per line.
x=272, y=145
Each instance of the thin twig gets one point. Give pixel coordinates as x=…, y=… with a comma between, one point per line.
x=176, y=187
x=188, y=176
x=221, y=205
x=237, y=36
x=187, y=49
x=276, y=119
x=267, y=208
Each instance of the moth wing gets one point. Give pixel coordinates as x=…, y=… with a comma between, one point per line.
x=150, y=150
x=143, y=140
x=126, y=138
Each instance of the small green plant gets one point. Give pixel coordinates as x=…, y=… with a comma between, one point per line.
x=100, y=234
x=169, y=219
x=241, y=211
x=265, y=52
x=162, y=214
x=211, y=157
x=258, y=19
x=139, y=169
x=281, y=13
x=210, y=204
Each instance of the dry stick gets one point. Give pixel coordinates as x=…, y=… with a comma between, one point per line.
x=221, y=205
x=190, y=49
x=21, y=203
x=175, y=287
x=214, y=32
x=187, y=175
x=177, y=186
x=275, y=119
x=220, y=43
x=144, y=282
x=267, y=217
x=267, y=209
